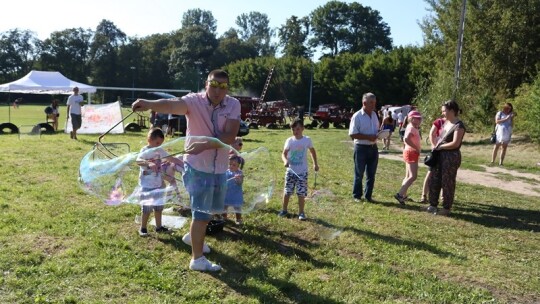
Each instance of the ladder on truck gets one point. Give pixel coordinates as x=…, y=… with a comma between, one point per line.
x=266, y=84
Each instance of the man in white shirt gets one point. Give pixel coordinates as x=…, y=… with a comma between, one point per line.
x=74, y=111
x=363, y=130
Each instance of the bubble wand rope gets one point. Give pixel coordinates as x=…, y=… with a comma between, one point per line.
x=103, y=135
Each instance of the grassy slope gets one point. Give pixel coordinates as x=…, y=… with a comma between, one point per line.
x=58, y=244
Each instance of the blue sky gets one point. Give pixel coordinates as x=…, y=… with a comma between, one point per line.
x=143, y=17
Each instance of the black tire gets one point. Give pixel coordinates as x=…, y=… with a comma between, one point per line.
x=44, y=127
x=11, y=128
x=314, y=124
x=337, y=125
x=132, y=127
x=253, y=125
x=271, y=126
x=324, y=125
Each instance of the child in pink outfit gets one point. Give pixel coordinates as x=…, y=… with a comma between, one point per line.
x=411, y=154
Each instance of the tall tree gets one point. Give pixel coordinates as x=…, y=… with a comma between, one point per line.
x=67, y=51
x=154, y=63
x=368, y=31
x=293, y=36
x=104, y=53
x=254, y=28
x=191, y=57
x=341, y=27
x=199, y=17
x=498, y=54
x=231, y=49
x=18, y=53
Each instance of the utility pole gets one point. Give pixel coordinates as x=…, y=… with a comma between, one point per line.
x=459, y=47
x=132, y=83
x=310, y=90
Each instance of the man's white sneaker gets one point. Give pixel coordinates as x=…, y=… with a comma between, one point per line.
x=187, y=240
x=202, y=264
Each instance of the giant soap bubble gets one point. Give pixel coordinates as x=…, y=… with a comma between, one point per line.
x=117, y=176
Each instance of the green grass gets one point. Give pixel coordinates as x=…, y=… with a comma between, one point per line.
x=60, y=245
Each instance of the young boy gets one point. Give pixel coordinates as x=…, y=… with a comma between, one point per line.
x=294, y=157
x=151, y=178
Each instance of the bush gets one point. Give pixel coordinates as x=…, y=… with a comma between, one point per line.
x=527, y=107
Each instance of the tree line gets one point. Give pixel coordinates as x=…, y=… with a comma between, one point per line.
x=500, y=57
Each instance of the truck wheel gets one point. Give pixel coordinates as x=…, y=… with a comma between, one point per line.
x=337, y=125
x=324, y=125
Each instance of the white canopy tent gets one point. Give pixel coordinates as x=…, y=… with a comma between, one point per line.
x=41, y=82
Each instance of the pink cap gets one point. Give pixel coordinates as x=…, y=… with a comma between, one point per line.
x=414, y=114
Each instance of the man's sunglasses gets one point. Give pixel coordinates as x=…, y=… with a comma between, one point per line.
x=217, y=84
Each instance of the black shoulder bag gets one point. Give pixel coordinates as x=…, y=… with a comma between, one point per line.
x=432, y=157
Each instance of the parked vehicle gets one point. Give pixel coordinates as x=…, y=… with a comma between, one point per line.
x=331, y=114
x=171, y=124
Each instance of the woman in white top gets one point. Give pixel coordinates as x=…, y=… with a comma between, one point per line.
x=504, y=121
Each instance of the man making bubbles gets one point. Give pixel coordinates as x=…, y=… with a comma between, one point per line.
x=209, y=114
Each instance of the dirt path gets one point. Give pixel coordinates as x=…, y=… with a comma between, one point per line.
x=495, y=177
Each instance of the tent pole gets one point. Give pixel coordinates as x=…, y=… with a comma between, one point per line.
x=9, y=107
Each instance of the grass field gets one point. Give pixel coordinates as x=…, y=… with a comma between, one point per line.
x=60, y=245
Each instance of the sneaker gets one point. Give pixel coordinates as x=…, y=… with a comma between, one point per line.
x=283, y=213
x=400, y=198
x=239, y=222
x=444, y=212
x=162, y=230
x=202, y=264
x=187, y=240
x=302, y=216
x=143, y=232
x=431, y=209
x=423, y=200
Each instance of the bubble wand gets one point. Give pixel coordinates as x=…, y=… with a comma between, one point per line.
x=100, y=144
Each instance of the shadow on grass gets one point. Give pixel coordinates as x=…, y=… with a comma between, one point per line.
x=498, y=217
x=393, y=240
x=486, y=215
x=243, y=280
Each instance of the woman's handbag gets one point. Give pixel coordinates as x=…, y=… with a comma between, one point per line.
x=493, y=138
x=431, y=158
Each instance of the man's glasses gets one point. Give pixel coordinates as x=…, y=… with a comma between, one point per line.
x=217, y=84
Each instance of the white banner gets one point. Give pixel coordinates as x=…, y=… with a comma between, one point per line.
x=98, y=119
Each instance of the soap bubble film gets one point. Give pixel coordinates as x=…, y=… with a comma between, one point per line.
x=113, y=174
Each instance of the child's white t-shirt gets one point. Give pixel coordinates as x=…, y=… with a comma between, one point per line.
x=147, y=177
x=297, y=156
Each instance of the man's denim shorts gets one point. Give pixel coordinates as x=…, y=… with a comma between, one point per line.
x=207, y=192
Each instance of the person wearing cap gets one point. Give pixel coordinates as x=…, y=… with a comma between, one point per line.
x=363, y=130
x=411, y=154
